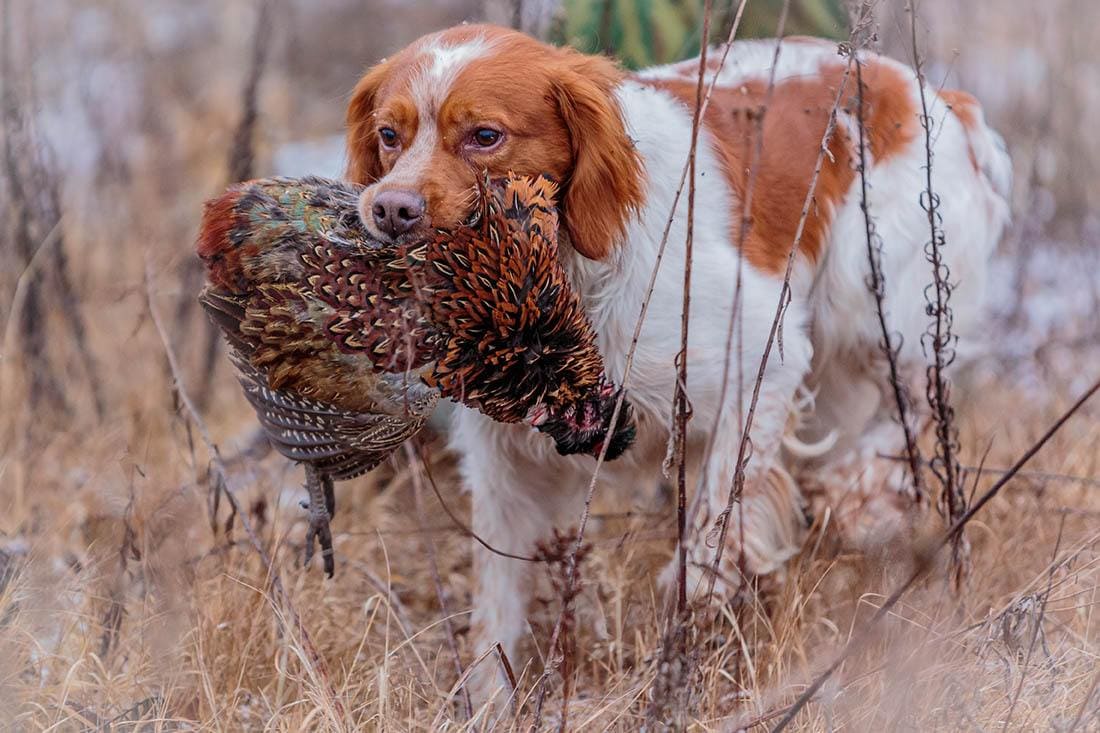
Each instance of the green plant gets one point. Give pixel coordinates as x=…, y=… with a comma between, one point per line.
x=645, y=32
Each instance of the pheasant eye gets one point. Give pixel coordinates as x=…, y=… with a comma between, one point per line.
x=388, y=136
x=487, y=137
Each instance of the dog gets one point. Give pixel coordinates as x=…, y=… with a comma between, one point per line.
x=474, y=99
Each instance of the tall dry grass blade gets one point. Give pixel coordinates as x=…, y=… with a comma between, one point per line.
x=433, y=564
x=1080, y=714
x=13, y=318
x=1037, y=627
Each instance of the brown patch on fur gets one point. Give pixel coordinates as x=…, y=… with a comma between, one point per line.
x=963, y=105
x=889, y=113
x=793, y=127
x=559, y=116
x=966, y=108
x=364, y=165
x=604, y=185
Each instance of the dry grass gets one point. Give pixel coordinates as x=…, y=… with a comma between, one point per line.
x=123, y=600
x=197, y=637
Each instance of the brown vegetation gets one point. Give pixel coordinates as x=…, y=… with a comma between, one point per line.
x=128, y=593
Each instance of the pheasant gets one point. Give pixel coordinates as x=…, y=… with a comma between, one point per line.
x=344, y=344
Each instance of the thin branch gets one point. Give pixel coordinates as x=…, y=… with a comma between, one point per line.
x=242, y=153
x=941, y=339
x=745, y=223
x=675, y=683
x=1033, y=475
x=1036, y=629
x=462, y=526
x=681, y=404
x=32, y=209
x=240, y=166
x=876, y=283
x=552, y=662
x=948, y=537
x=433, y=565
x=34, y=185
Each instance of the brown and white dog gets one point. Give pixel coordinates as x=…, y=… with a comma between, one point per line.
x=425, y=123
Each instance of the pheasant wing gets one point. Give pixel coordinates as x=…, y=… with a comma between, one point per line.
x=340, y=443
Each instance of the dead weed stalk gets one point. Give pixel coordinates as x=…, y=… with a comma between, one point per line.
x=940, y=340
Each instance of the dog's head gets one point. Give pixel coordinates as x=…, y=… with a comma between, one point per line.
x=473, y=100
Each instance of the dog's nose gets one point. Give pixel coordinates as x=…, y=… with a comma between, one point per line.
x=397, y=212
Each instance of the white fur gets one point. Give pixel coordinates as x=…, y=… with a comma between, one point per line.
x=752, y=59
x=522, y=490
x=444, y=63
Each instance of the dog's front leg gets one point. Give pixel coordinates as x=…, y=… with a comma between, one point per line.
x=520, y=491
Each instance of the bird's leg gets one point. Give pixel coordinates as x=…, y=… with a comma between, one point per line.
x=330, y=494
x=321, y=503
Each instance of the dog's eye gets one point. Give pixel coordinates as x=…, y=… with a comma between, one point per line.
x=388, y=136
x=486, y=137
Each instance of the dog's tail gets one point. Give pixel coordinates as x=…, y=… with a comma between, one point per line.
x=986, y=146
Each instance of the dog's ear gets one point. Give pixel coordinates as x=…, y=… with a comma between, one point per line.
x=604, y=187
x=364, y=165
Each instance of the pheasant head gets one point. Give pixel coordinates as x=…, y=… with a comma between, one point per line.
x=519, y=344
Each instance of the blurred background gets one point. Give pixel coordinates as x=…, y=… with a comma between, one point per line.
x=119, y=117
